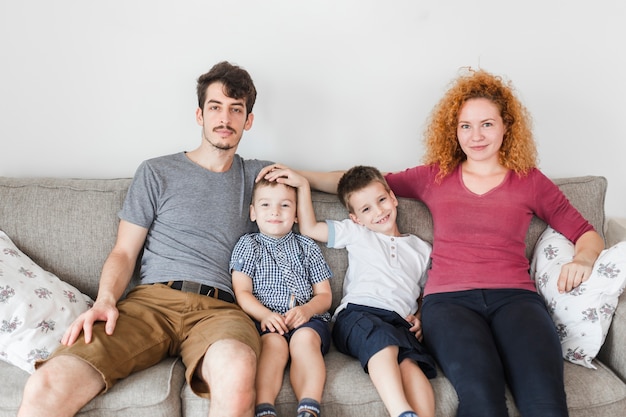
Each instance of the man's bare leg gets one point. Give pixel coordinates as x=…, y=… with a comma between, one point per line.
x=60, y=388
x=229, y=368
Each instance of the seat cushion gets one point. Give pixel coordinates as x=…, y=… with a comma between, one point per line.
x=154, y=392
x=349, y=392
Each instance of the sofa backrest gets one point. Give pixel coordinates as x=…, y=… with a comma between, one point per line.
x=68, y=226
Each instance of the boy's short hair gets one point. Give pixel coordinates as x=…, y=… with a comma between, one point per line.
x=355, y=179
x=267, y=183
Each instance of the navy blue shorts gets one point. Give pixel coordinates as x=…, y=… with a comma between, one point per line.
x=362, y=331
x=320, y=326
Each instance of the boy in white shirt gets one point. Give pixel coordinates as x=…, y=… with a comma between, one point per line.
x=376, y=320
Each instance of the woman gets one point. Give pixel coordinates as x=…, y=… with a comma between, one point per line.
x=482, y=317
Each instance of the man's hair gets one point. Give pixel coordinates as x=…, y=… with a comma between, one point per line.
x=355, y=179
x=236, y=81
x=267, y=183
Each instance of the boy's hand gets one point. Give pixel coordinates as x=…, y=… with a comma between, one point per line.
x=266, y=170
x=274, y=323
x=416, y=326
x=297, y=316
x=283, y=175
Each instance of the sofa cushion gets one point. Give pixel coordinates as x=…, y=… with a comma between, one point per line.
x=587, y=194
x=154, y=392
x=582, y=316
x=67, y=226
x=349, y=392
x=36, y=308
x=593, y=393
x=24, y=215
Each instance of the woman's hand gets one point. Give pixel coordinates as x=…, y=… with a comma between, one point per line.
x=587, y=250
x=572, y=275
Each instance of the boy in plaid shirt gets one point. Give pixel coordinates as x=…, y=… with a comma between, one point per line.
x=280, y=279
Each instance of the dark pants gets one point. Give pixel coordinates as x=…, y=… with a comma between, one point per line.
x=483, y=339
x=362, y=331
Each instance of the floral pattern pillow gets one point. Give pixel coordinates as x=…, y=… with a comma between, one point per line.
x=583, y=316
x=35, y=308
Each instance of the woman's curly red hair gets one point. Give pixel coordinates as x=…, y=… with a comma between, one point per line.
x=518, y=151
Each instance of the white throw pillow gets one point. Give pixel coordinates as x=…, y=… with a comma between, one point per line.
x=36, y=308
x=583, y=316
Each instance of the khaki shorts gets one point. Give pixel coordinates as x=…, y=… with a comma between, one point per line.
x=155, y=322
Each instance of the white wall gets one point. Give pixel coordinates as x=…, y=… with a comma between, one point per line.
x=90, y=89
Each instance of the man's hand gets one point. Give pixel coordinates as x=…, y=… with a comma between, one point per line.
x=100, y=311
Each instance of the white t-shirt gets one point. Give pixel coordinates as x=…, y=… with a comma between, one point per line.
x=386, y=272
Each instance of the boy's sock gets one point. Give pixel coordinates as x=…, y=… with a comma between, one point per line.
x=408, y=414
x=265, y=410
x=308, y=407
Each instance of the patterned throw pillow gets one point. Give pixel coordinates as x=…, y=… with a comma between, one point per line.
x=582, y=317
x=35, y=308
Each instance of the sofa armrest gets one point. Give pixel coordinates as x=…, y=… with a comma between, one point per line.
x=615, y=231
x=613, y=352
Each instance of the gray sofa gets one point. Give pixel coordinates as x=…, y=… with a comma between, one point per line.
x=68, y=227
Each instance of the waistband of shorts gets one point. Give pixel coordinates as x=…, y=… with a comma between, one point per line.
x=201, y=289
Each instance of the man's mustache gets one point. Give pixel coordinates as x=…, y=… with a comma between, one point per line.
x=224, y=127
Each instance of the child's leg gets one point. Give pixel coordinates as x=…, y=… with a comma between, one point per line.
x=388, y=380
x=308, y=370
x=417, y=389
x=271, y=367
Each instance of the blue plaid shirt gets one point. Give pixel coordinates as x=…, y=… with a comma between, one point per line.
x=281, y=269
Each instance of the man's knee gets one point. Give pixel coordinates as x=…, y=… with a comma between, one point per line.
x=65, y=371
x=230, y=358
x=64, y=383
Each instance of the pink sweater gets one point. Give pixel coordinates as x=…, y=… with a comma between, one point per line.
x=479, y=240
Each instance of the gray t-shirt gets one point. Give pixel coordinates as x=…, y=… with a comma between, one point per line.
x=194, y=217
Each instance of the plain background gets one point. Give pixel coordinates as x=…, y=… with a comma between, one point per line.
x=91, y=88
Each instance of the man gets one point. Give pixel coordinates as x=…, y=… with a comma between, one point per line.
x=184, y=213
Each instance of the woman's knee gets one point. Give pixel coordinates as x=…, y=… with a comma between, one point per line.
x=481, y=399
